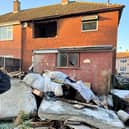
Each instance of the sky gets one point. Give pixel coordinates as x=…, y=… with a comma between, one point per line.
x=123, y=30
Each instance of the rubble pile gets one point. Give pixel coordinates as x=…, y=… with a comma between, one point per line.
x=55, y=101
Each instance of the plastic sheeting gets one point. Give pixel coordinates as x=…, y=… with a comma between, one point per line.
x=43, y=83
x=52, y=86
x=34, y=80
x=56, y=76
x=85, y=92
x=53, y=80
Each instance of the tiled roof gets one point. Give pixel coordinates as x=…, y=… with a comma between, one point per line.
x=122, y=54
x=58, y=10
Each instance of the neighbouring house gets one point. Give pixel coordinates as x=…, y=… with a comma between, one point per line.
x=78, y=38
x=122, y=62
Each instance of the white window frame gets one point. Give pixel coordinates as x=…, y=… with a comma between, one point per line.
x=6, y=33
x=123, y=68
x=123, y=60
x=89, y=19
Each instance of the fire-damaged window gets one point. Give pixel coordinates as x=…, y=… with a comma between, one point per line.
x=45, y=29
x=90, y=23
x=68, y=60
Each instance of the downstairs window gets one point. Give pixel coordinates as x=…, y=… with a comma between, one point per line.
x=68, y=60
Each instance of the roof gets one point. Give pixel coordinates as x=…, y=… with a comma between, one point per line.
x=75, y=49
x=59, y=10
x=122, y=54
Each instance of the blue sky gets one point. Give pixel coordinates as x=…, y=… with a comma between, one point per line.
x=123, y=31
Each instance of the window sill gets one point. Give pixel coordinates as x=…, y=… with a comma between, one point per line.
x=45, y=37
x=6, y=40
x=68, y=67
x=89, y=30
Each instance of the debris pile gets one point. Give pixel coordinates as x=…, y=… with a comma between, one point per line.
x=54, y=100
x=121, y=82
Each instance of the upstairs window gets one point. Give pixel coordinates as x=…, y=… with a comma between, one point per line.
x=123, y=60
x=68, y=60
x=89, y=23
x=6, y=32
x=45, y=29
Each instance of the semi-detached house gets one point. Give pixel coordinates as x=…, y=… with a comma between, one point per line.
x=78, y=38
x=122, y=62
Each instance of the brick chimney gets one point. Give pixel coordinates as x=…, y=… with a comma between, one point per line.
x=64, y=2
x=16, y=6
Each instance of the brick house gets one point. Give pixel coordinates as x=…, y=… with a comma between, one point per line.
x=122, y=62
x=78, y=38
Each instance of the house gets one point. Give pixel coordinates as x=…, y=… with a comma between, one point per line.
x=78, y=38
x=122, y=62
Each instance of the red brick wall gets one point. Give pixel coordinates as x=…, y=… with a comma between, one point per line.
x=95, y=67
x=12, y=47
x=69, y=34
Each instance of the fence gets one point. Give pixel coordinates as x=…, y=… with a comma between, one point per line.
x=10, y=64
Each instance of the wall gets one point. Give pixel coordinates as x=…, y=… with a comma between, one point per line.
x=12, y=47
x=69, y=34
x=95, y=67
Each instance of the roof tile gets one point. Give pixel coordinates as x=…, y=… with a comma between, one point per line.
x=122, y=54
x=56, y=10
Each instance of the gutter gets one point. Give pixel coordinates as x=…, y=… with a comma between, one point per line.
x=10, y=23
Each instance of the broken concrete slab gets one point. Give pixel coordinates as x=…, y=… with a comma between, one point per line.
x=79, y=127
x=121, y=93
x=99, y=117
x=18, y=98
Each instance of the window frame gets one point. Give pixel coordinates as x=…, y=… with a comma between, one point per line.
x=40, y=23
x=77, y=65
x=8, y=30
x=89, y=19
x=123, y=60
x=123, y=69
